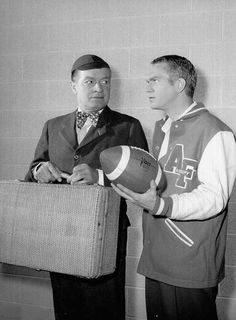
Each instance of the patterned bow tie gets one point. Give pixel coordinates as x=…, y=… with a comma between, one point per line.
x=81, y=118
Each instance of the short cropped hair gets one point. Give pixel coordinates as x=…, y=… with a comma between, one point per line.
x=180, y=67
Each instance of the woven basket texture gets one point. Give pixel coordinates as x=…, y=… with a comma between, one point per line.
x=61, y=228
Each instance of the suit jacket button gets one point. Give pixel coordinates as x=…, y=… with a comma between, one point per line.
x=76, y=157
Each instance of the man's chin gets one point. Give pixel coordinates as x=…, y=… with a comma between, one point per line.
x=155, y=107
x=95, y=107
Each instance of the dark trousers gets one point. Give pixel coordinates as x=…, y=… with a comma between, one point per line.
x=166, y=302
x=77, y=298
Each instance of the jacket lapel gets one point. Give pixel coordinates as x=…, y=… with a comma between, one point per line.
x=68, y=132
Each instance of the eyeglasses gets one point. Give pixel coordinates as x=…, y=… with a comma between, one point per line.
x=90, y=83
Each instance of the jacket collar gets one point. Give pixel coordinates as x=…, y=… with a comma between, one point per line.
x=193, y=110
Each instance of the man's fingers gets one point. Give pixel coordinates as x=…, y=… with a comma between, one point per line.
x=121, y=192
x=75, y=177
x=54, y=172
x=127, y=191
x=64, y=175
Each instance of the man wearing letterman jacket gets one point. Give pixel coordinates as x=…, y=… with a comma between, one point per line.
x=184, y=225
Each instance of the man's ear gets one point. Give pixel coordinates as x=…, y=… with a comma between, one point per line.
x=180, y=84
x=73, y=85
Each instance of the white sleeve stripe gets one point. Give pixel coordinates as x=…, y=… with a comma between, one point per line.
x=161, y=207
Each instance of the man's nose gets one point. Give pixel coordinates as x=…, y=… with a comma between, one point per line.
x=98, y=87
x=148, y=87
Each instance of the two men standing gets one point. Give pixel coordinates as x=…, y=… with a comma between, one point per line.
x=184, y=227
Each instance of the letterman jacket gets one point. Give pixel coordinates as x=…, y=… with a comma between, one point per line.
x=185, y=236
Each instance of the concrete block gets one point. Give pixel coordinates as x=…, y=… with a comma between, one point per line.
x=167, y=6
x=5, y=90
x=229, y=26
x=135, y=214
x=114, y=9
x=230, y=255
x=28, y=95
x=34, y=127
x=228, y=115
x=206, y=27
x=120, y=28
x=60, y=95
x=42, y=11
x=18, y=124
x=135, y=242
x=233, y=194
x=207, y=59
x=147, y=117
x=226, y=308
x=228, y=89
x=120, y=92
x=228, y=56
x=27, y=290
x=11, y=172
x=139, y=8
x=129, y=93
x=22, y=271
x=133, y=279
x=137, y=93
x=118, y=59
x=232, y=219
x=11, y=68
x=230, y=4
x=48, y=66
x=136, y=306
x=10, y=124
x=26, y=39
x=208, y=90
x=174, y=29
x=16, y=311
x=144, y=31
x=4, y=40
x=11, y=12
x=209, y=5
x=227, y=287
x=74, y=36
x=140, y=58
x=16, y=151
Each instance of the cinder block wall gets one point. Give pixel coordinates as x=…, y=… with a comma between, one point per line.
x=39, y=40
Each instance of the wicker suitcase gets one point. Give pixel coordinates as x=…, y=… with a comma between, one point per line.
x=62, y=228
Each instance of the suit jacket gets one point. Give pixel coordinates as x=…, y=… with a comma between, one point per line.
x=58, y=141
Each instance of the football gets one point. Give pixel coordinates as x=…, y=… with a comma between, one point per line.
x=132, y=167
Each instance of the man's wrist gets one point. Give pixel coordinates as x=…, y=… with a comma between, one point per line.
x=163, y=207
x=35, y=169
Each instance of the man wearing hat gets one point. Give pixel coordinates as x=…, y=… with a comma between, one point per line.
x=68, y=152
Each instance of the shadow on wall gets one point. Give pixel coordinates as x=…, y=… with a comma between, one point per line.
x=201, y=88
